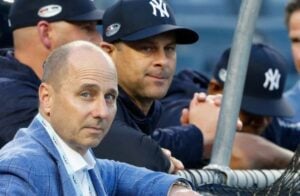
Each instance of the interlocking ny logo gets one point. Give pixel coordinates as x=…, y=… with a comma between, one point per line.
x=272, y=79
x=160, y=6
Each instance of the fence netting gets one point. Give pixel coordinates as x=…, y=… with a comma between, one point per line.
x=248, y=182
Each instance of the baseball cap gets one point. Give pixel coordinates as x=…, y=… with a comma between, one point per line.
x=132, y=20
x=264, y=83
x=24, y=13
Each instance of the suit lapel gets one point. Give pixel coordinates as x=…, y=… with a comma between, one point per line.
x=66, y=181
x=97, y=180
x=39, y=133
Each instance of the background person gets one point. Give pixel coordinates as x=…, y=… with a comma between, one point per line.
x=34, y=36
x=259, y=105
x=263, y=91
x=263, y=101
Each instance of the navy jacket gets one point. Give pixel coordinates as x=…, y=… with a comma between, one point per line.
x=131, y=122
x=287, y=137
x=181, y=91
x=179, y=95
x=19, y=99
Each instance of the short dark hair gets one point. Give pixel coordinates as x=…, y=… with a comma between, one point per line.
x=292, y=6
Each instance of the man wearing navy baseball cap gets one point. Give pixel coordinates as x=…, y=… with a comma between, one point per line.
x=142, y=37
x=262, y=101
x=39, y=26
x=264, y=87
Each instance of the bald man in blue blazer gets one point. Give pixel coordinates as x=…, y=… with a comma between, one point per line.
x=53, y=155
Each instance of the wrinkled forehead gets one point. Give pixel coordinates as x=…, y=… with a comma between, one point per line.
x=89, y=57
x=91, y=66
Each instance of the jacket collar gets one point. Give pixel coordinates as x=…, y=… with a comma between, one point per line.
x=39, y=133
x=146, y=123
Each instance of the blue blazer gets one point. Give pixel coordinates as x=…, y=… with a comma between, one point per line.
x=31, y=165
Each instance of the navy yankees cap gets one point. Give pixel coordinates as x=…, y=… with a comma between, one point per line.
x=132, y=20
x=264, y=84
x=25, y=13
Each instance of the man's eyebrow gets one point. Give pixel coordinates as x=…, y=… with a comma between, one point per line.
x=96, y=87
x=113, y=91
x=89, y=86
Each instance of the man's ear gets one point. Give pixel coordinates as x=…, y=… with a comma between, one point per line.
x=45, y=98
x=214, y=87
x=107, y=47
x=44, y=31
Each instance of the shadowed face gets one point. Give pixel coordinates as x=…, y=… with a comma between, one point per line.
x=253, y=123
x=82, y=108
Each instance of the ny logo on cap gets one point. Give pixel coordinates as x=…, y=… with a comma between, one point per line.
x=160, y=6
x=272, y=79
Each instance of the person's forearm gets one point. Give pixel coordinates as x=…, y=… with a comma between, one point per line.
x=254, y=152
x=275, y=156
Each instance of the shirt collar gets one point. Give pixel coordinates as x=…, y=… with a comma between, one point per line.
x=76, y=161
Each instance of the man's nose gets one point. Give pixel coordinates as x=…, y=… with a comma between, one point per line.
x=161, y=58
x=100, y=109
